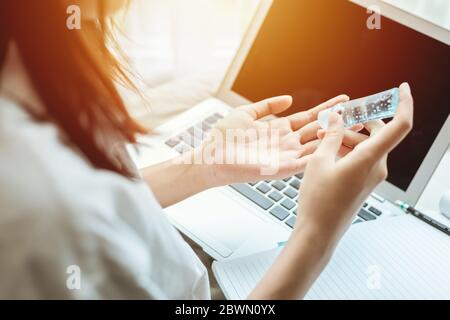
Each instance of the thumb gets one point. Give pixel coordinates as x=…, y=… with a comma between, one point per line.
x=334, y=136
x=268, y=107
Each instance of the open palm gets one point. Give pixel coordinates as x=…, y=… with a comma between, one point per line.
x=251, y=145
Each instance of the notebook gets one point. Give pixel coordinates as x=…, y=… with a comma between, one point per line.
x=391, y=258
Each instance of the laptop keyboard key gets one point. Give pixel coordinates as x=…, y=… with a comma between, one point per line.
x=211, y=120
x=191, y=131
x=366, y=215
x=288, y=204
x=263, y=188
x=291, y=222
x=291, y=193
x=196, y=143
x=275, y=196
x=375, y=211
x=253, y=195
x=186, y=138
x=182, y=148
x=203, y=126
x=295, y=183
x=278, y=185
x=172, y=142
x=196, y=132
x=279, y=213
x=214, y=118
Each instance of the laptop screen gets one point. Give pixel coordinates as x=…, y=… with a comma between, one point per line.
x=315, y=50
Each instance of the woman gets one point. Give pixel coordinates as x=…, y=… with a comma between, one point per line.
x=72, y=201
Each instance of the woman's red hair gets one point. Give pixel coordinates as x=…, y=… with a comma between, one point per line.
x=75, y=76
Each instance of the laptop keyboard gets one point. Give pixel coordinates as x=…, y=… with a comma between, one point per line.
x=278, y=198
x=194, y=136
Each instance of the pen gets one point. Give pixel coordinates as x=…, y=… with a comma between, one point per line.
x=408, y=209
x=282, y=244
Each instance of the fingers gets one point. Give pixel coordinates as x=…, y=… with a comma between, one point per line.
x=309, y=132
x=334, y=136
x=343, y=151
x=293, y=167
x=356, y=127
x=312, y=131
x=301, y=119
x=310, y=148
x=390, y=135
x=374, y=126
x=268, y=107
x=351, y=139
x=405, y=94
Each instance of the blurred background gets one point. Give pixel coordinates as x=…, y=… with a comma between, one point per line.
x=175, y=38
x=172, y=39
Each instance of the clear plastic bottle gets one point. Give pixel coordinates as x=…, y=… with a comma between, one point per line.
x=378, y=106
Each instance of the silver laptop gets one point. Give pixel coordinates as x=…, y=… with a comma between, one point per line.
x=313, y=50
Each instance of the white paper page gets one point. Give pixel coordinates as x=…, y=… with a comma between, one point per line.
x=393, y=258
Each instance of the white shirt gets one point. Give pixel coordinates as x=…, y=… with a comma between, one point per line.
x=59, y=215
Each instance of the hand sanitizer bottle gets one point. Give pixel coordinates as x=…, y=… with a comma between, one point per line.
x=378, y=106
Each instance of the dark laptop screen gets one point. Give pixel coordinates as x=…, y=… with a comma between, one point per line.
x=314, y=50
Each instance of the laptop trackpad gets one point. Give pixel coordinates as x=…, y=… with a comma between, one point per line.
x=215, y=219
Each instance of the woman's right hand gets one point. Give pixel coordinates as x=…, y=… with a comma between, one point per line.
x=333, y=190
x=331, y=193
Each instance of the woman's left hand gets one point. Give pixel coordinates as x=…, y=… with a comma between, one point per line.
x=246, y=147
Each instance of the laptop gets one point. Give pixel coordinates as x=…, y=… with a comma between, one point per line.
x=312, y=50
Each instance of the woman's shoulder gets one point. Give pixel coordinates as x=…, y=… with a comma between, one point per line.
x=29, y=158
x=57, y=210
x=44, y=182
x=54, y=204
